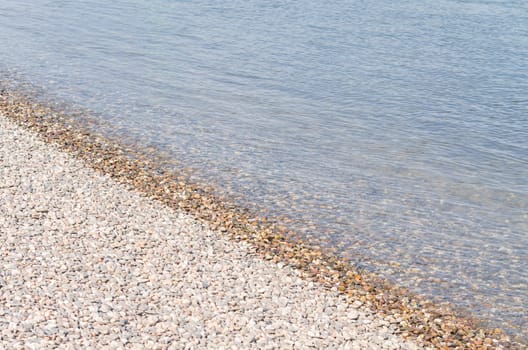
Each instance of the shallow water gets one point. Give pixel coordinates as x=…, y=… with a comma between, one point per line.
x=394, y=132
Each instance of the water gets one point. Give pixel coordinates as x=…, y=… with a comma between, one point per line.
x=395, y=132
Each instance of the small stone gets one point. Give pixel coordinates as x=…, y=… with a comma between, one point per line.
x=357, y=304
x=353, y=315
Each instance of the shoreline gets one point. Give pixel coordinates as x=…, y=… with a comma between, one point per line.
x=91, y=263
x=418, y=319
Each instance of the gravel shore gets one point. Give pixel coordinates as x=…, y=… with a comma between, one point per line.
x=87, y=262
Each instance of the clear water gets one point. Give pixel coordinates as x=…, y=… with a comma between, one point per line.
x=393, y=131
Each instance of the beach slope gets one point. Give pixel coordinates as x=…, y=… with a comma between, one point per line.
x=88, y=262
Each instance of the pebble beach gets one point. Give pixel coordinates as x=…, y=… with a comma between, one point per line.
x=89, y=263
x=377, y=152
x=94, y=259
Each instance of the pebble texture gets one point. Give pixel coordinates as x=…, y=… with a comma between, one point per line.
x=88, y=263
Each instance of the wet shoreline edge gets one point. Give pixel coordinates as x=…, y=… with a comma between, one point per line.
x=433, y=324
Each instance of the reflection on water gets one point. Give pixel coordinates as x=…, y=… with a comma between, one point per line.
x=395, y=132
